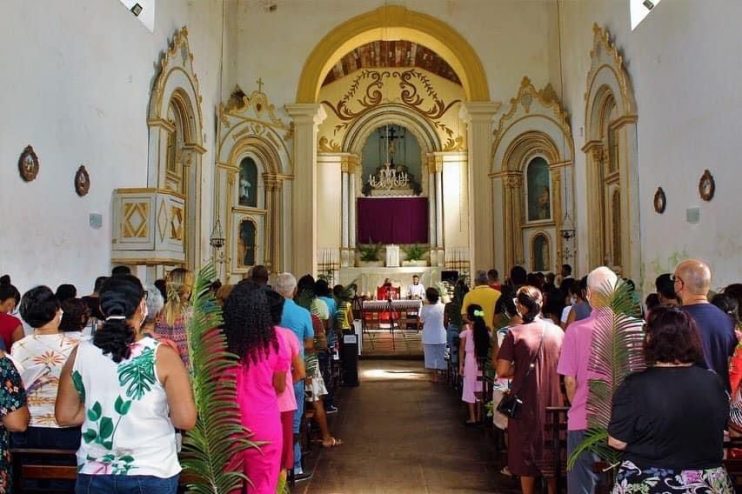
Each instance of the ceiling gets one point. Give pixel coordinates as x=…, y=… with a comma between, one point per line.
x=398, y=53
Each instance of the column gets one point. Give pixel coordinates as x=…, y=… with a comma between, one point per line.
x=307, y=117
x=439, y=205
x=345, y=207
x=352, y=170
x=346, y=257
x=594, y=151
x=432, y=234
x=273, y=223
x=478, y=116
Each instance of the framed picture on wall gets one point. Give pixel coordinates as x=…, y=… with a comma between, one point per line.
x=28, y=164
x=707, y=186
x=660, y=201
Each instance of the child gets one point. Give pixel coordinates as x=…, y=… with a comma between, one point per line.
x=475, y=342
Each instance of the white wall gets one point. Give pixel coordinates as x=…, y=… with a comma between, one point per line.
x=684, y=64
x=76, y=82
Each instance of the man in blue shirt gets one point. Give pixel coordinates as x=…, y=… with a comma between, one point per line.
x=298, y=320
x=692, y=281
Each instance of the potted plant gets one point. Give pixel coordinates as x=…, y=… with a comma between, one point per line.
x=370, y=255
x=414, y=255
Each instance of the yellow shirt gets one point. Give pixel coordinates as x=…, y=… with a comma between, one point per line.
x=485, y=297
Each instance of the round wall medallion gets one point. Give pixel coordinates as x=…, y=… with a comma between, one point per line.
x=707, y=186
x=82, y=181
x=660, y=201
x=28, y=164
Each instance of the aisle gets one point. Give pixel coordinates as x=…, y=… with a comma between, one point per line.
x=402, y=434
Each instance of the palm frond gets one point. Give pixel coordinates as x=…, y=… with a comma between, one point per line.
x=209, y=448
x=616, y=352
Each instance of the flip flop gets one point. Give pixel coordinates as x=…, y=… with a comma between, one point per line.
x=334, y=443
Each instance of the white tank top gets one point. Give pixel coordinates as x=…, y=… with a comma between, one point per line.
x=127, y=428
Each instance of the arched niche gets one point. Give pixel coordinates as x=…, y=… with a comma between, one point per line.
x=534, y=129
x=250, y=131
x=612, y=160
x=176, y=138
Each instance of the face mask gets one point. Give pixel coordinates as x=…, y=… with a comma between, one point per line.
x=145, y=312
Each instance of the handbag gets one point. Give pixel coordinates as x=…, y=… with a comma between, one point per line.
x=511, y=404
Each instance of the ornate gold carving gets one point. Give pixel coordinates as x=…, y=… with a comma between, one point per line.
x=366, y=91
x=162, y=221
x=513, y=181
x=255, y=107
x=457, y=144
x=527, y=95
x=176, y=223
x=605, y=53
x=328, y=145
x=178, y=47
x=136, y=218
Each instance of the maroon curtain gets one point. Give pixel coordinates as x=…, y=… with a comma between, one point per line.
x=393, y=220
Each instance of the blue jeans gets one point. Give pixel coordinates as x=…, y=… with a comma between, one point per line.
x=125, y=484
x=298, y=416
x=581, y=479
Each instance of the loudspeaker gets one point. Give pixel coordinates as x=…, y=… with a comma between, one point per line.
x=450, y=276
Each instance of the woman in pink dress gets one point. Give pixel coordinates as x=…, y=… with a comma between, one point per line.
x=265, y=358
x=475, y=342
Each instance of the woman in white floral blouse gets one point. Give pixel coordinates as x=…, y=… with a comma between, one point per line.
x=45, y=350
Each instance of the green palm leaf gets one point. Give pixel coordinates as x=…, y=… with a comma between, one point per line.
x=219, y=437
x=616, y=352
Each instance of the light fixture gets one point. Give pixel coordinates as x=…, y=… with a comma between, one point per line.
x=217, y=236
x=389, y=177
x=649, y=4
x=136, y=9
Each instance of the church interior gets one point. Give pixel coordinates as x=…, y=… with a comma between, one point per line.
x=368, y=141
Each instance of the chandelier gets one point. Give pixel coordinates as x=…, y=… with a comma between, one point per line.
x=388, y=177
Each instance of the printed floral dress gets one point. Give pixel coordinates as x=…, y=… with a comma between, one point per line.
x=12, y=397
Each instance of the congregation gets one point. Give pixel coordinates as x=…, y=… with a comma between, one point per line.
x=73, y=367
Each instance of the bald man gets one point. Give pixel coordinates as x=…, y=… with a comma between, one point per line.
x=692, y=281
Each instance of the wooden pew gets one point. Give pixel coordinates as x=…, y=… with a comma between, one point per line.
x=32, y=464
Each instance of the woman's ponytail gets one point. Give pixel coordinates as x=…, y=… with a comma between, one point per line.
x=120, y=297
x=480, y=332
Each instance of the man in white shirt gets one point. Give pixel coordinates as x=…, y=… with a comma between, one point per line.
x=416, y=289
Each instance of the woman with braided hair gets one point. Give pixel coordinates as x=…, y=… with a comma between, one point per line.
x=129, y=392
x=265, y=358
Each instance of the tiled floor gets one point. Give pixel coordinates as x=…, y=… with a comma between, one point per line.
x=403, y=434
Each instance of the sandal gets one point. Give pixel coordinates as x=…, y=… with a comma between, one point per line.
x=333, y=443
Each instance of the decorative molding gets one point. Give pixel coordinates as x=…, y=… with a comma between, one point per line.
x=178, y=56
x=605, y=54
x=254, y=108
x=326, y=145
x=533, y=103
x=365, y=92
x=394, y=21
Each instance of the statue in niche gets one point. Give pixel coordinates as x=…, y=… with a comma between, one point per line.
x=247, y=190
x=246, y=245
x=539, y=190
x=541, y=256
